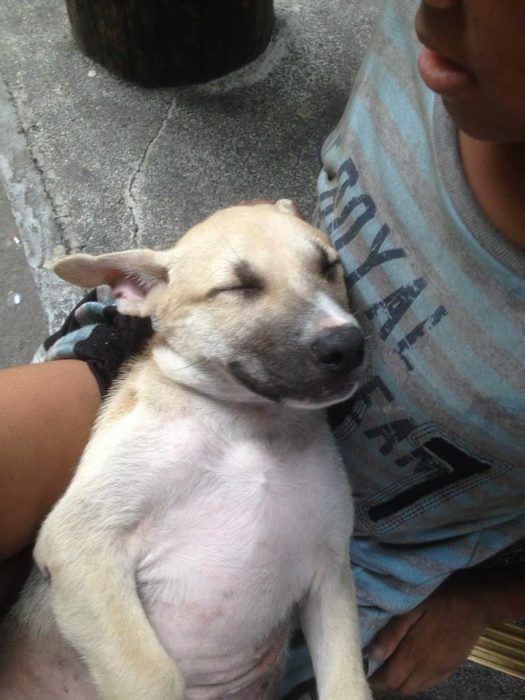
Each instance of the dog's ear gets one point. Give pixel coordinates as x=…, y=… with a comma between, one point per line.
x=133, y=276
x=286, y=206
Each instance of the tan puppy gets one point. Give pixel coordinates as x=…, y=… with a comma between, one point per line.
x=210, y=502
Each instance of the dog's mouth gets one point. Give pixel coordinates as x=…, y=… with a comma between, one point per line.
x=318, y=393
x=252, y=384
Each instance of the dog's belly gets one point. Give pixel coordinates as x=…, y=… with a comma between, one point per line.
x=219, y=588
x=218, y=655
x=219, y=573
x=32, y=670
x=213, y=668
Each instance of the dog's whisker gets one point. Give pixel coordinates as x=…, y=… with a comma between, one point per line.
x=192, y=364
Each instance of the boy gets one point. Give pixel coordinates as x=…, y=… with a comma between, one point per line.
x=423, y=197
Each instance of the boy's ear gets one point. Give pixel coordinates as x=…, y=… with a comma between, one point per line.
x=132, y=275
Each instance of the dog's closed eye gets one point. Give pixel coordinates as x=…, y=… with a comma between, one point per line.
x=237, y=288
x=328, y=271
x=327, y=264
x=247, y=282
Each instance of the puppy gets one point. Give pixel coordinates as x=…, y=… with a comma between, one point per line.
x=210, y=503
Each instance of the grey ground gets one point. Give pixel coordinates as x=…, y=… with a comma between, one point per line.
x=88, y=162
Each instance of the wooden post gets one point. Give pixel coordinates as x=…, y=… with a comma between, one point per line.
x=171, y=42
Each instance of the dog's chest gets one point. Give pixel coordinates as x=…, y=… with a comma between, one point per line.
x=235, y=544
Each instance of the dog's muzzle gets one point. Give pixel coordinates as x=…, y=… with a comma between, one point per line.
x=324, y=370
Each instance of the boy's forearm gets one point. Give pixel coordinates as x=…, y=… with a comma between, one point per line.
x=500, y=592
x=46, y=414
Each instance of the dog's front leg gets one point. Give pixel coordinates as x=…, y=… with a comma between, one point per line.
x=330, y=625
x=98, y=610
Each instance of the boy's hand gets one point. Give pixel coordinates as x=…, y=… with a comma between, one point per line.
x=427, y=645
x=96, y=333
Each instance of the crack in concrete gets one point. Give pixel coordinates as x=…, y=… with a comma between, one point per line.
x=136, y=240
x=34, y=209
x=25, y=129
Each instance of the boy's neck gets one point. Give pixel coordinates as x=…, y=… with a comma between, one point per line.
x=496, y=174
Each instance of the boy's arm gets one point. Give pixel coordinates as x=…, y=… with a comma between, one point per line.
x=426, y=645
x=46, y=414
x=47, y=410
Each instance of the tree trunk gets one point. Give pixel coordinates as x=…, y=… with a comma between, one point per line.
x=171, y=42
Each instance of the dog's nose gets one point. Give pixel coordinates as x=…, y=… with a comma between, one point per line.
x=340, y=348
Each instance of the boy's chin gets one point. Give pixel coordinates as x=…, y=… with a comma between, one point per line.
x=484, y=125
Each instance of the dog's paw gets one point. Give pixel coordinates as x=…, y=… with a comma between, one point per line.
x=350, y=692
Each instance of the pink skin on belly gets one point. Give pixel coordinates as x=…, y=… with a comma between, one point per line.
x=217, y=629
x=258, y=682
x=215, y=661
x=218, y=572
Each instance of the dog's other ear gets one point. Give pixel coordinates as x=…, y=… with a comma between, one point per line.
x=133, y=276
x=286, y=206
